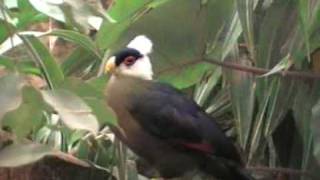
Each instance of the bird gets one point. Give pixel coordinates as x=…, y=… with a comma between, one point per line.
x=167, y=130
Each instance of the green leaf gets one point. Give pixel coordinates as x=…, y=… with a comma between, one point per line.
x=74, y=112
x=315, y=126
x=28, y=116
x=245, y=11
x=6, y=62
x=233, y=34
x=284, y=64
x=124, y=9
x=305, y=110
x=10, y=93
x=102, y=111
x=77, y=38
x=242, y=91
x=77, y=61
x=93, y=94
x=27, y=15
x=22, y=154
x=45, y=60
x=83, y=88
x=109, y=33
x=279, y=104
x=5, y=28
x=198, y=25
x=186, y=76
x=125, y=13
x=205, y=88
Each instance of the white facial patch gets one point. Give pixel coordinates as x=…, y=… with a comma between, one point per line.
x=142, y=68
x=142, y=44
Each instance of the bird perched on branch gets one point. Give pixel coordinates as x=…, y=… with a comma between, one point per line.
x=169, y=131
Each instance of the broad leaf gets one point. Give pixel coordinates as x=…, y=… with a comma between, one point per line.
x=93, y=94
x=181, y=35
x=28, y=116
x=10, y=93
x=22, y=154
x=74, y=112
x=185, y=77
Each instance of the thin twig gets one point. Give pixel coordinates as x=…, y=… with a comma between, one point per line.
x=254, y=70
x=261, y=71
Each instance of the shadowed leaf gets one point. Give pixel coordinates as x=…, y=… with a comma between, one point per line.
x=10, y=93
x=22, y=154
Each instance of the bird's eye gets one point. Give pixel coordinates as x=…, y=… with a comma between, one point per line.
x=128, y=61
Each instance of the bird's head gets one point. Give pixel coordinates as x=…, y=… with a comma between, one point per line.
x=133, y=60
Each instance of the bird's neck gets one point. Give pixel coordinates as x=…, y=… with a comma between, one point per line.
x=121, y=86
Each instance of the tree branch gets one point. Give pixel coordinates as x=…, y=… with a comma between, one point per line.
x=260, y=71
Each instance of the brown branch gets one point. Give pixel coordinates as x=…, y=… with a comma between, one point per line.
x=250, y=69
x=287, y=171
x=261, y=71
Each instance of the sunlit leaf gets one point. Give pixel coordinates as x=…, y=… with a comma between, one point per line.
x=49, y=8
x=74, y=112
x=15, y=40
x=284, y=64
x=70, y=11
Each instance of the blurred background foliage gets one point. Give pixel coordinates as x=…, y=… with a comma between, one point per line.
x=252, y=64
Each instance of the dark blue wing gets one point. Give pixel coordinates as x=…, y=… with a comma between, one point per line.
x=166, y=113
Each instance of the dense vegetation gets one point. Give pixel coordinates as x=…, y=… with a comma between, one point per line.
x=252, y=64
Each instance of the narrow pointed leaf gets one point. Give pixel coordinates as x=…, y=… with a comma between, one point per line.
x=77, y=38
x=45, y=60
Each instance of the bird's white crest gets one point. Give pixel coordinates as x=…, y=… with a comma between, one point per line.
x=142, y=44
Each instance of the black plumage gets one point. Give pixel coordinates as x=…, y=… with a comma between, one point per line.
x=127, y=52
x=171, y=134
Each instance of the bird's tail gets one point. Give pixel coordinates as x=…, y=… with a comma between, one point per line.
x=225, y=169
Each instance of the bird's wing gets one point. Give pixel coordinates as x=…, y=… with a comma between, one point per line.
x=167, y=114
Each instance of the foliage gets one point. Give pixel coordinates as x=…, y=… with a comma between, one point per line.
x=271, y=84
